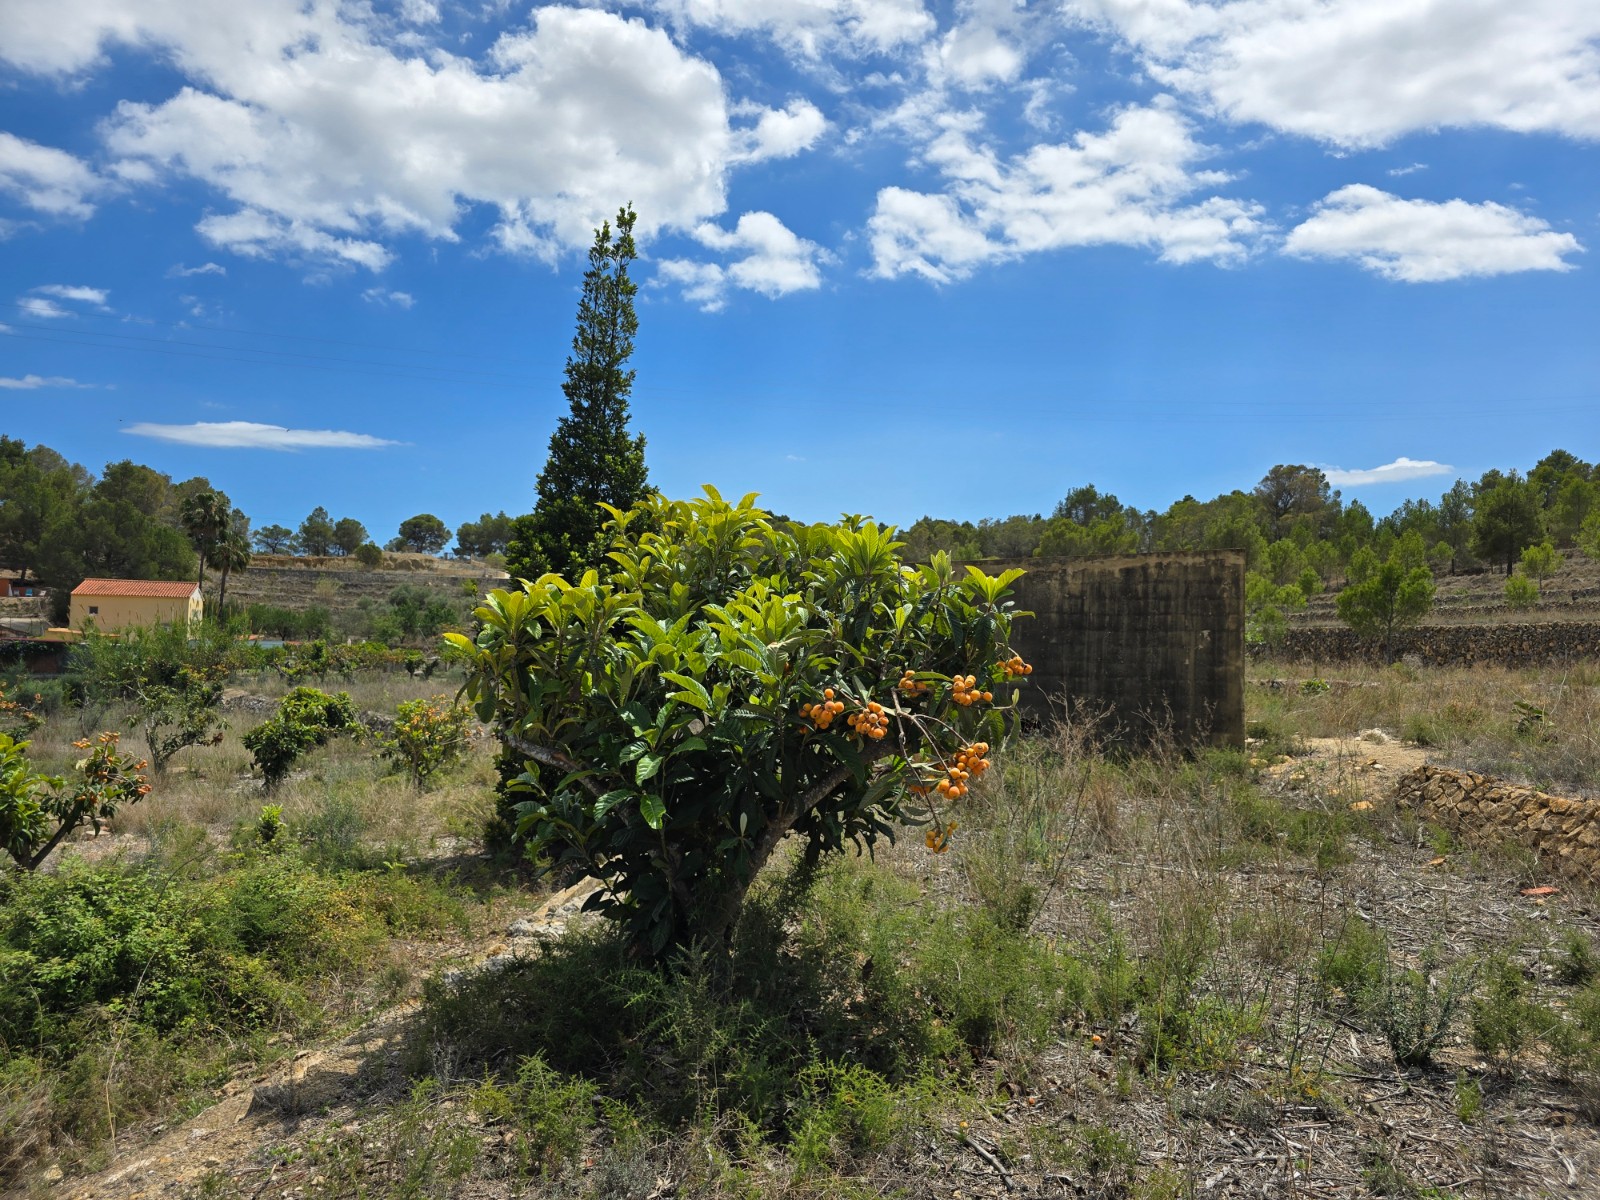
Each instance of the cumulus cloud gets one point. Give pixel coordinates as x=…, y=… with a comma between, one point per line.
x=1129, y=185
x=1363, y=72
x=808, y=28
x=1421, y=241
x=182, y=272
x=329, y=137
x=768, y=258
x=385, y=298
x=251, y=435
x=1401, y=470
x=45, y=179
x=781, y=132
x=29, y=382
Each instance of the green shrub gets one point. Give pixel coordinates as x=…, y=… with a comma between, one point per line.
x=428, y=736
x=306, y=718
x=1521, y=593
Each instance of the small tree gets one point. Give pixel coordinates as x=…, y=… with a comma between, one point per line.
x=428, y=736
x=424, y=534
x=176, y=716
x=369, y=556
x=1389, y=599
x=733, y=680
x=1539, y=562
x=37, y=812
x=593, y=459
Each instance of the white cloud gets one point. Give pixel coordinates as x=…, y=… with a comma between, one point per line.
x=769, y=258
x=809, y=28
x=1397, y=172
x=256, y=234
x=42, y=309
x=330, y=135
x=1421, y=241
x=385, y=298
x=182, y=272
x=1363, y=72
x=782, y=132
x=80, y=295
x=29, y=382
x=250, y=435
x=1400, y=470
x=45, y=179
x=1127, y=186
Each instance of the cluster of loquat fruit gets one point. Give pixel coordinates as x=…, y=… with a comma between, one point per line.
x=937, y=838
x=871, y=722
x=970, y=762
x=824, y=713
x=1014, y=666
x=911, y=686
x=965, y=691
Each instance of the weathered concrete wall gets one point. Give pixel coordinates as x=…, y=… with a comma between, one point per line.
x=1562, y=830
x=1506, y=645
x=1156, y=639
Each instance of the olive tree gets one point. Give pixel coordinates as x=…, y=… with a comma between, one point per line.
x=729, y=680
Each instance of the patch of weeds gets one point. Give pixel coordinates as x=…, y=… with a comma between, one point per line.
x=1309, y=832
x=848, y=1111
x=1414, y=1009
x=1108, y=1159
x=1506, y=1016
x=553, y=1114
x=852, y=967
x=1468, y=1097
x=1385, y=1175
x=1577, y=964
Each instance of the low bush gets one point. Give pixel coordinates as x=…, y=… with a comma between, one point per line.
x=428, y=736
x=306, y=718
x=123, y=986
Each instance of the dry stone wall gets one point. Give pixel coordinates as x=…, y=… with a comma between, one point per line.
x=1506, y=645
x=1562, y=830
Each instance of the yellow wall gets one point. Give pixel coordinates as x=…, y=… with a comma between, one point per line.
x=119, y=612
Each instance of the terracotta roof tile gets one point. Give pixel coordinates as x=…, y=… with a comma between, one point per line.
x=134, y=587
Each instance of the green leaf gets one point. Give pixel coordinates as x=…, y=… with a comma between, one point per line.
x=609, y=801
x=653, y=809
x=649, y=764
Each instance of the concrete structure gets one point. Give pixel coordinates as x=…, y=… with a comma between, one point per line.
x=1156, y=641
x=114, y=604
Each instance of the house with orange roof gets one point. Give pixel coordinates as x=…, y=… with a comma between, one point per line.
x=111, y=605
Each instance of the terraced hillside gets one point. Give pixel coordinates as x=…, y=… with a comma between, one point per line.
x=341, y=584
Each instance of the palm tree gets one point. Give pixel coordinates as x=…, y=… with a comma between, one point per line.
x=205, y=516
x=231, y=553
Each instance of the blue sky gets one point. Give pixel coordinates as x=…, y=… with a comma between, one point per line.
x=897, y=256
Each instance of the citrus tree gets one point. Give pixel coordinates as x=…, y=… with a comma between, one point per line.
x=729, y=680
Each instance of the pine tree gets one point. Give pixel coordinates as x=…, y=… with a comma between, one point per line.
x=593, y=458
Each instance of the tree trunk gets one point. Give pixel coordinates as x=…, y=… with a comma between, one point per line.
x=222, y=591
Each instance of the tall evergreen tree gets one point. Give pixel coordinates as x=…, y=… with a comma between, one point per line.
x=593, y=458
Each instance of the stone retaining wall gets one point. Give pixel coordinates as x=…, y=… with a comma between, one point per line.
x=1503, y=645
x=1562, y=830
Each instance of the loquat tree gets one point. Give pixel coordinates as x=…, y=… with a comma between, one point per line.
x=730, y=680
x=593, y=460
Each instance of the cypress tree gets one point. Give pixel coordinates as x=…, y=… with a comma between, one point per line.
x=593, y=458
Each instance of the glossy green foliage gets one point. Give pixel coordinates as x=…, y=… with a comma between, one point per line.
x=657, y=707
